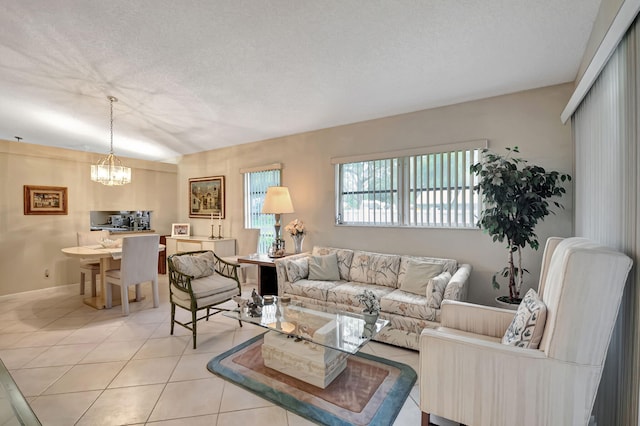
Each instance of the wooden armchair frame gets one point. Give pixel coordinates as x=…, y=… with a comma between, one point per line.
x=183, y=283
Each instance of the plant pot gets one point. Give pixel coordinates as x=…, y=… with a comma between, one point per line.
x=370, y=318
x=505, y=303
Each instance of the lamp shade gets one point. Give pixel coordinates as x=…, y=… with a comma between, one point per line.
x=277, y=200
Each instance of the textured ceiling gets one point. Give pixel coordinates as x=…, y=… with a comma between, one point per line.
x=197, y=75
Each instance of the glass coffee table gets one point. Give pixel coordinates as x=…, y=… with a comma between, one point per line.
x=309, y=342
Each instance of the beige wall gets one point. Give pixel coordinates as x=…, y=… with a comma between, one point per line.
x=30, y=244
x=528, y=119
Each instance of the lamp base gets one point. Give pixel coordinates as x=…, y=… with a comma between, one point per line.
x=277, y=249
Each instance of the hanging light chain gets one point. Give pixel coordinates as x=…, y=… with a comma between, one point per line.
x=112, y=99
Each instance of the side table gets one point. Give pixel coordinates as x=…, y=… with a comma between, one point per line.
x=267, y=278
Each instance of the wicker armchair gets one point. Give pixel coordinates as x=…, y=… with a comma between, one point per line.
x=200, y=280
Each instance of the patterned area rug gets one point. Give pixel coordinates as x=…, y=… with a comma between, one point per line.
x=370, y=391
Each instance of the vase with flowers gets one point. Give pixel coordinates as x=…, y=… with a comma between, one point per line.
x=296, y=229
x=370, y=306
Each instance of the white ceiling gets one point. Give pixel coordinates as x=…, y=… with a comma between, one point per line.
x=197, y=75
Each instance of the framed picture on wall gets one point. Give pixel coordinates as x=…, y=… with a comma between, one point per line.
x=206, y=197
x=45, y=199
x=180, y=229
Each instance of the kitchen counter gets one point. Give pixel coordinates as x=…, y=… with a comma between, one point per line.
x=122, y=230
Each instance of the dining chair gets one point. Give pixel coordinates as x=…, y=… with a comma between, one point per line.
x=139, y=264
x=90, y=267
x=248, y=245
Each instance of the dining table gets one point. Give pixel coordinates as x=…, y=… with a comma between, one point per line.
x=104, y=255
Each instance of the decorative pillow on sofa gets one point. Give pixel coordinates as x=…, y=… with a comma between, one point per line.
x=197, y=265
x=435, y=289
x=527, y=325
x=375, y=268
x=324, y=268
x=297, y=269
x=345, y=256
x=417, y=276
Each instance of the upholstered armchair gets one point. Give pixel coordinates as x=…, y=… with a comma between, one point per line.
x=468, y=375
x=200, y=280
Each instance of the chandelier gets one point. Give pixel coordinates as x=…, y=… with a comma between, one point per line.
x=110, y=171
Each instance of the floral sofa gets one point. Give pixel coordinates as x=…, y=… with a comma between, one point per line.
x=409, y=288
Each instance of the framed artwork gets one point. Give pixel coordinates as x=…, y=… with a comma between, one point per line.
x=45, y=199
x=180, y=229
x=206, y=197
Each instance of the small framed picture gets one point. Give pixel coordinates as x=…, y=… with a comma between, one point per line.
x=180, y=230
x=45, y=199
x=206, y=197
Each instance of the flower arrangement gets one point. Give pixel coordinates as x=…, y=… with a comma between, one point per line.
x=369, y=301
x=295, y=227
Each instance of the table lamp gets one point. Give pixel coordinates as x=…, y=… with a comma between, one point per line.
x=277, y=201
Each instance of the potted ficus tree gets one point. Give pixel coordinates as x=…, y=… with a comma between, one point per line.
x=516, y=197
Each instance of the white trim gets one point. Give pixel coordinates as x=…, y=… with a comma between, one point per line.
x=274, y=166
x=450, y=147
x=621, y=23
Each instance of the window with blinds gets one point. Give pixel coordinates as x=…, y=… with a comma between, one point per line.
x=255, y=189
x=429, y=190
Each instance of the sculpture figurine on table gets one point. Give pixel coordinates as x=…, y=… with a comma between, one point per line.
x=253, y=306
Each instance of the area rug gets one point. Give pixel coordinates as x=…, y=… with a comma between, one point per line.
x=370, y=391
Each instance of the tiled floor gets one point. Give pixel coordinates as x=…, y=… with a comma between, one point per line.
x=80, y=366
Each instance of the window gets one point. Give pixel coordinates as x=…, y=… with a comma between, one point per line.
x=433, y=189
x=256, y=182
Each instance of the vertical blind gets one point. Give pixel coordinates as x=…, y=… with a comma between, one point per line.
x=605, y=129
x=255, y=189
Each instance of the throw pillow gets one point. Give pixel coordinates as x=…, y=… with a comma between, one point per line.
x=324, y=268
x=297, y=269
x=435, y=289
x=527, y=325
x=418, y=275
x=197, y=265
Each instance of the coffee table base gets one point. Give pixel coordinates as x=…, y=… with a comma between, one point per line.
x=306, y=361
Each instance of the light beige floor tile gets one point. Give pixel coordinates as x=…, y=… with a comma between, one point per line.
x=66, y=323
x=196, y=397
x=33, y=381
x=234, y=398
x=211, y=343
x=164, y=330
x=17, y=358
x=42, y=338
x=122, y=406
x=132, y=331
x=85, y=377
x=10, y=339
x=62, y=409
x=113, y=351
x=145, y=372
x=62, y=355
x=192, y=367
x=188, y=421
x=23, y=326
x=409, y=414
x=272, y=416
x=88, y=335
x=295, y=420
x=162, y=347
x=159, y=315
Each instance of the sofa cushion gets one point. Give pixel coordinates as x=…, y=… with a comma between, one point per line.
x=418, y=275
x=324, y=268
x=346, y=293
x=450, y=265
x=375, y=268
x=407, y=304
x=345, y=256
x=435, y=289
x=197, y=265
x=297, y=269
x=316, y=290
x=527, y=325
